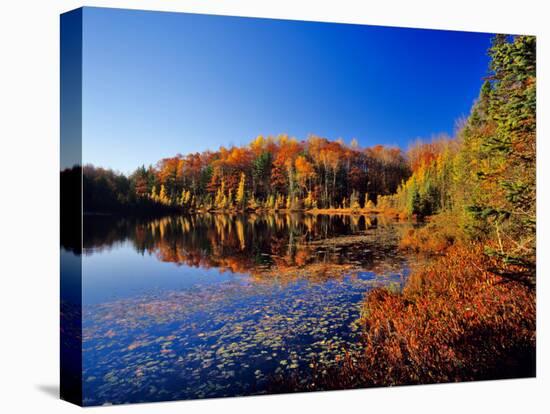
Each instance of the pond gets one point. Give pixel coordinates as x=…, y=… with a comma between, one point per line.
x=200, y=306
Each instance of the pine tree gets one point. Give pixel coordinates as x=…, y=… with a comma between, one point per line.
x=509, y=174
x=413, y=203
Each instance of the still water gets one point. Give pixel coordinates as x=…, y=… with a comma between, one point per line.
x=218, y=305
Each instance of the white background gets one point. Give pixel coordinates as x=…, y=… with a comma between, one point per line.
x=29, y=191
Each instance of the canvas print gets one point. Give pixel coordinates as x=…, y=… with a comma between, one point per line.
x=256, y=206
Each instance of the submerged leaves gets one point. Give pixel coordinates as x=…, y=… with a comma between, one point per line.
x=218, y=341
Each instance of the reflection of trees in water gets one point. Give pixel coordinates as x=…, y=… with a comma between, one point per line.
x=256, y=244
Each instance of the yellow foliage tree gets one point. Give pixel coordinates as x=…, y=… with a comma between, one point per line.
x=354, y=201
x=309, y=201
x=270, y=203
x=240, y=197
x=280, y=202
x=252, y=203
x=185, y=198
x=163, y=197
x=220, y=199
x=369, y=205
x=229, y=202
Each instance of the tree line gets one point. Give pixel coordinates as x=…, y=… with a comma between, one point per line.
x=278, y=173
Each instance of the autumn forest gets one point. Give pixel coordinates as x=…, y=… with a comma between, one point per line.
x=278, y=173
x=464, y=208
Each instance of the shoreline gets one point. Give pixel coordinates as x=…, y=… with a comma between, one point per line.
x=316, y=211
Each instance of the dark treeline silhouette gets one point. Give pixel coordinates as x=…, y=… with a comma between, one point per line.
x=106, y=191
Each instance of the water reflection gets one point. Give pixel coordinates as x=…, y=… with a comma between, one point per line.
x=271, y=245
x=213, y=305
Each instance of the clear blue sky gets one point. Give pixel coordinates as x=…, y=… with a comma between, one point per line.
x=157, y=84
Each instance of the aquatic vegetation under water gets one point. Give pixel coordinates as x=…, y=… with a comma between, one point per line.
x=231, y=340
